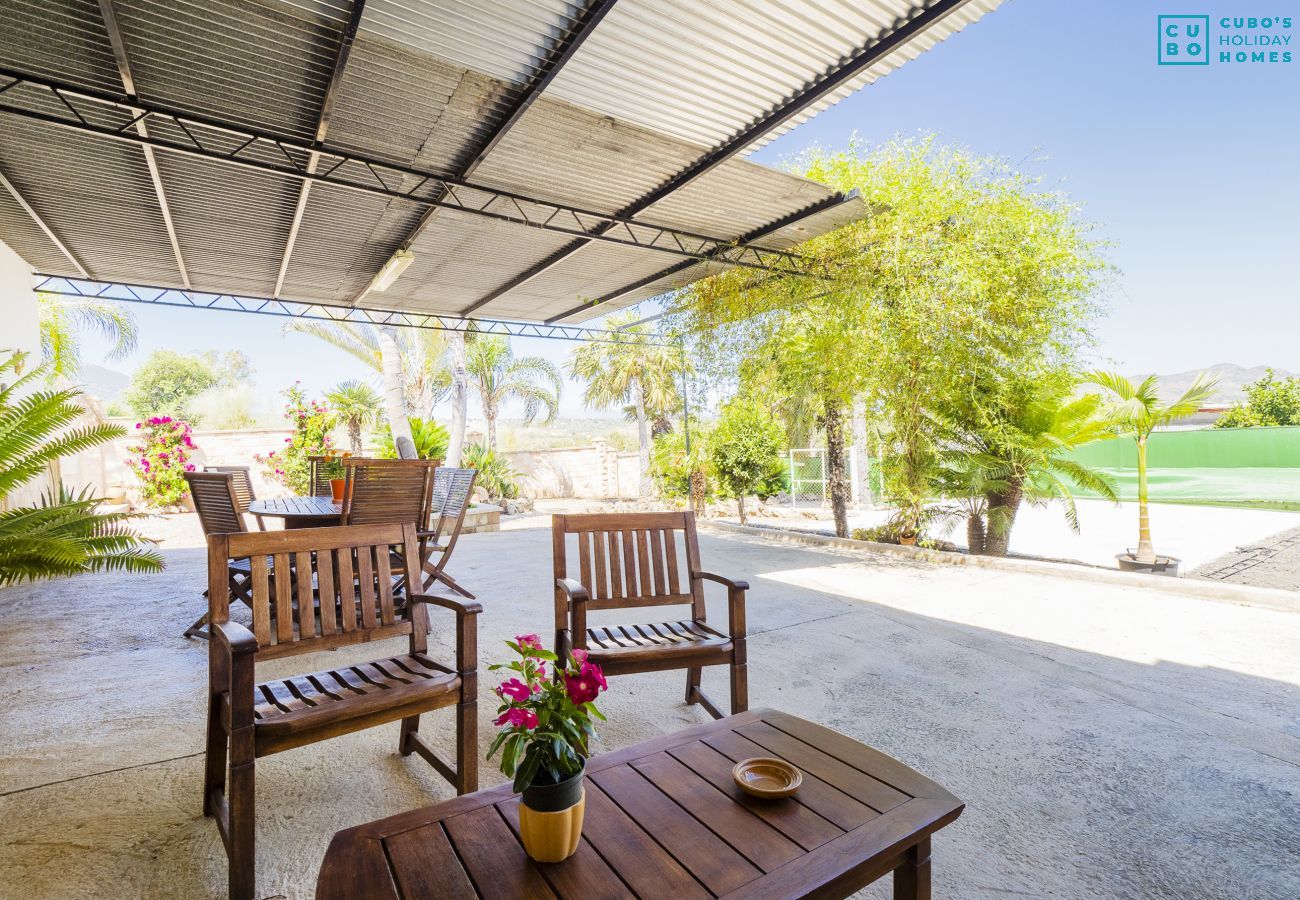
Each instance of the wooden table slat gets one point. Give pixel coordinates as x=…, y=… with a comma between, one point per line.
x=749, y=835
x=700, y=851
x=426, y=866
x=583, y=875
x=491, y=855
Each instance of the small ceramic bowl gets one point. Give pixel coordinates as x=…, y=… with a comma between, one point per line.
x=764, y=776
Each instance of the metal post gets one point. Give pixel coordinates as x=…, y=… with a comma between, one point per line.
x=686, y=410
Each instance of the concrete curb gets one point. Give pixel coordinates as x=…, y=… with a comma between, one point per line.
x=1243, y=595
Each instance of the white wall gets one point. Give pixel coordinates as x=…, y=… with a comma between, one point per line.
x=18, y=331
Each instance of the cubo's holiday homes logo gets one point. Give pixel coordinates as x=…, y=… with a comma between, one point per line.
x=1187, y=41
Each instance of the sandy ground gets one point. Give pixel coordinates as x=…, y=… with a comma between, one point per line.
x=1194, y=534
x=1109, y=742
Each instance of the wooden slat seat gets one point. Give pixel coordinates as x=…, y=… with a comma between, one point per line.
x=673, y=643
x=396, y=687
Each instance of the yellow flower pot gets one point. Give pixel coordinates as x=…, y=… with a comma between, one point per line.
x=551, y=837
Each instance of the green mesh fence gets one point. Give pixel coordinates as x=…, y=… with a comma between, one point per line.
x=1239, y=466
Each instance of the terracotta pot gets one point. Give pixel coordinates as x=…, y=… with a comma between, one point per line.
x=550, y=819
x=907, y=540
x=336, y=488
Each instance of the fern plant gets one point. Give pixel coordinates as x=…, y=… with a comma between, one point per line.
x=64, y=533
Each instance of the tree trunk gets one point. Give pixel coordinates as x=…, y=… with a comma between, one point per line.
x=833, y=423
x=975, y=534
x=1002, y=517
x=697, y=485
x=354, y=434
x=740, y=507
x=394, y=386
x=1146, y=551
x=643, y=440
x=490, y=413
x=459, y=399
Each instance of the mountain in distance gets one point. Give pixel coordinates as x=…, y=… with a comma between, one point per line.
x=101, y=383
x=1232, y=381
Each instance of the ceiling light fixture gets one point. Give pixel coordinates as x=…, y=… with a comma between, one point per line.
x=395, y=266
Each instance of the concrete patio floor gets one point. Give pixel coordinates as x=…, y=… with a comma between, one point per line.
x=1108, y=741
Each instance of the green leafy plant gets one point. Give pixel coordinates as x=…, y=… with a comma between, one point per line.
x=495, y=474
x=161, y=459
x=64, y=533
x=1136, y=409
x=545, y=717
x=358, y=405
x=62, y=319
x=1269, y=401
x=745, y=449
x=312, y=422
x=167, y=382
x=431, y=440
x=683, y=473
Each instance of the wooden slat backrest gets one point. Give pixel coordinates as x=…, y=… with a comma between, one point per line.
x=322, y=469
x=452, y=489
x=316, y=588
x=242, y=482
x=216, y=502
x=630, y=559
x=387, y=490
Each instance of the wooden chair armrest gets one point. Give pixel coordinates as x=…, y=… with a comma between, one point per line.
x=729, y=583
x=459, y=606
x=235, y=638
x=576, y=592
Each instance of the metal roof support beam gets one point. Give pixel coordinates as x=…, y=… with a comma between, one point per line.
x=866, y=57
x=327, y=312
x=560, y=54
x=346, y=40
x=41, y=223
x=770, y=228
x=128, y=84
x=263, y=152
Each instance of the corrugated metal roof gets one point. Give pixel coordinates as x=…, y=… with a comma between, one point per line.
x=653, y=87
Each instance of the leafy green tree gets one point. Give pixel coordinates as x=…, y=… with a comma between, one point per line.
x=64, y=533
x=358, y=405
x=637, y=373
x=744, y=448
x=1269, y=401
x=166, y=382
x=499, y=376
x=1136, y=409
x=681, y=472
x=430, y=440
x=61, y=321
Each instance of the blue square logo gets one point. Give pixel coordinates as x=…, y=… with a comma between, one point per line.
x=1183, y=40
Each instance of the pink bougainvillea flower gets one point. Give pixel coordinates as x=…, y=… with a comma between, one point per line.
x=137, y=424
x=528, y=642
x=189, y=467
x=514, y=689
x=519, y=718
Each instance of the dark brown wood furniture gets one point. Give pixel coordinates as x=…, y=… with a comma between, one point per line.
x=243, y=485
x=299, y=512
x=216, y=500
x=626, y=560
x=453, y=490
x=664, y=819
x=349, y=569
x=387, y=490
x=320, y=470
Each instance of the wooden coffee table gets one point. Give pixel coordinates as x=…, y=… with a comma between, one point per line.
x=664, y=819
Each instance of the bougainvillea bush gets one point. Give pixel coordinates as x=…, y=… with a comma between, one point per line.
x=161, y=460
x=312, y=421
x=545, y=716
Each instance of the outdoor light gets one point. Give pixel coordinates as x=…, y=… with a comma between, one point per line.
x=395, y=266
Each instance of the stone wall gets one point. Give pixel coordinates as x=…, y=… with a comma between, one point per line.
x=594, y=472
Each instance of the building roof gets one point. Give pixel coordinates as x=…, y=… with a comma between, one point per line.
x=543, y=161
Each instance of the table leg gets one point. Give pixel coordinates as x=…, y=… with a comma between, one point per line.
x=912, y=877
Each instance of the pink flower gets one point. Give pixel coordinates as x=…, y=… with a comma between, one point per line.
x=189, y=467
x=528, y=642
x=516, y=690
x=579, y=656
x=586, y=685
x=518, y=718
x=137, y=425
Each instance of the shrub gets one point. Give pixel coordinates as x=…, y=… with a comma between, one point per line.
x=745, y=450
x=431, y=440
x=494, y=472
x=312, y=422
x=167, y=382
x=162, y=458
x=1269, y=401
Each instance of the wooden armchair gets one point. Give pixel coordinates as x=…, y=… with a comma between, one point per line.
x=242, y=482
x=631, y=560
x=349, y=567
x=216, y=500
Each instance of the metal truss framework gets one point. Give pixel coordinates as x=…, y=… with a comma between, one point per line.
x=269, y=306
x=116, y=117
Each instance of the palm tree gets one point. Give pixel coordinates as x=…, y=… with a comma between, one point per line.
x=634, y=372
x=63, y=533
x=500, y=376
x=1137, y=410
x=61, y=318
x=357, y=403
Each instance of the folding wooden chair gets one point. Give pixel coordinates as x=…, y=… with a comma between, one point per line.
x=452, y=492
x=243, y=484
x=217, y=503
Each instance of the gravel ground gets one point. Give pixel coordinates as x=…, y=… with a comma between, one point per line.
x=1109, y=742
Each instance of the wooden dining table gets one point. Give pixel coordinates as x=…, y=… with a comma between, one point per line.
x=665, y=819
x=299, y=512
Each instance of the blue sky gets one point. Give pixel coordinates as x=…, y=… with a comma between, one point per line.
x=1191, y=171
